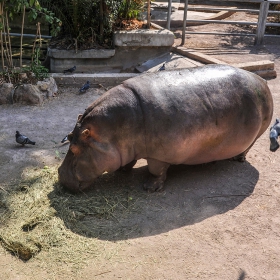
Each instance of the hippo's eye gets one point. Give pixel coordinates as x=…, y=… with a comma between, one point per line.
x=70, y=136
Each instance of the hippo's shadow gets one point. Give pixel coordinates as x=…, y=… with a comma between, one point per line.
x=117, y=208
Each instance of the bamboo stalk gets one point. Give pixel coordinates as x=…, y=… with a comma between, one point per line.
x=9, y=37
x=1, y=35
x=101, y=24
x=21, y=37
x=6, y=48
x=34, y=44
x=39, y=33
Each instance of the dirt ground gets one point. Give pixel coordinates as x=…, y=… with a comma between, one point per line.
x=214, y=221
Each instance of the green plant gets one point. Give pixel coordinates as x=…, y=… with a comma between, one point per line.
x=8, y=9
x=130, y=9
x=40, y=72
x=89, y=24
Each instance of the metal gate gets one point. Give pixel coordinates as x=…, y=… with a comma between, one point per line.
x=261, y=24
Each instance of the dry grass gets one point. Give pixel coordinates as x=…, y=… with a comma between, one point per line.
x=43, y=222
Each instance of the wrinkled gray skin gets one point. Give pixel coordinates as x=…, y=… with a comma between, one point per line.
x=189, y=116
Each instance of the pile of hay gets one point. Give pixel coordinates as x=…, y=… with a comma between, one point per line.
x=41, y=219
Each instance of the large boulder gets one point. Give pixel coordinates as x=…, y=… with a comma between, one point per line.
x=48, y=87
x=6, y=93
x=28, y=94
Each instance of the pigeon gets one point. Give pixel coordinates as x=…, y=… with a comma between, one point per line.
x=70, y=70
x=162, y=67
x=64, y=139
x=21, y=139
x=273, y=135
x=85, y=87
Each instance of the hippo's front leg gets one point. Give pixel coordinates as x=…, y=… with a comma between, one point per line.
x=158, y=175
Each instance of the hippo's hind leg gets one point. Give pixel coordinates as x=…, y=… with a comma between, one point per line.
x=128, y=167
x=242, y=157
x=158, y=175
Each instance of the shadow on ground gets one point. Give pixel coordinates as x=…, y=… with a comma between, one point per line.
x=117, y=208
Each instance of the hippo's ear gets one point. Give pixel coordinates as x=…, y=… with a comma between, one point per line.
x=79, y=117
x=86, y=133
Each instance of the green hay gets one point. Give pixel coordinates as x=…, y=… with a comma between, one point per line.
x=42, y=221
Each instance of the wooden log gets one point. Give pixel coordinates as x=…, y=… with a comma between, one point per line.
x=207, y=59
x=204, y=58
x=256, y=65
x=266, y=74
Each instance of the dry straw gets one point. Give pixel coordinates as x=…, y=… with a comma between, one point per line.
x=42, y=220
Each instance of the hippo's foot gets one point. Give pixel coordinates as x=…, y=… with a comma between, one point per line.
x=241, y=157
x=128, y=167
x=153, y=184
x=158, y=175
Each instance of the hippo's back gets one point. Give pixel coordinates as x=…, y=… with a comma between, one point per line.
x=214, y=111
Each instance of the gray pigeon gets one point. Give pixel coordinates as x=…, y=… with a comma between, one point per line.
x=273, y=135
x=64, y=139
x=84, y=88
x=21, y=139
x=162, y=68
x=70, y=70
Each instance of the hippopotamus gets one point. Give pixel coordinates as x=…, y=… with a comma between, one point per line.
x=187, y=116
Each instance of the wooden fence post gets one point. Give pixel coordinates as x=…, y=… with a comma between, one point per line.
x=261, y=22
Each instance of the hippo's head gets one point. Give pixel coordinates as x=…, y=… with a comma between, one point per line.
x=88, y=157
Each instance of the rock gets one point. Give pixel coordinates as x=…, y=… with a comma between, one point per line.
x=48, y=87
x=6, y=93
x=28, y=94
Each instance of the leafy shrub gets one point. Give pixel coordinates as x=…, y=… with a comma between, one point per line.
x=87, y=23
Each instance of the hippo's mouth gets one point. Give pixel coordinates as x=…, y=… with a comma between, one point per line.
x=72, y=183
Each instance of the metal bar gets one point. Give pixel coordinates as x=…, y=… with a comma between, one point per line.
x=230, y=34
x=271, y=35
x=169, y=14
x=223, y=9
x=249, y=1
x=273, y=12
x=261, y=22
x=222, y=22
x=184, y=22
x=220, y=33
x=231, y=9
x=148, y=14
x=29, y=35
x=272, y=24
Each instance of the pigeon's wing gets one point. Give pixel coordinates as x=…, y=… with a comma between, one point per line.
x=64, y=139
x=22, y=139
